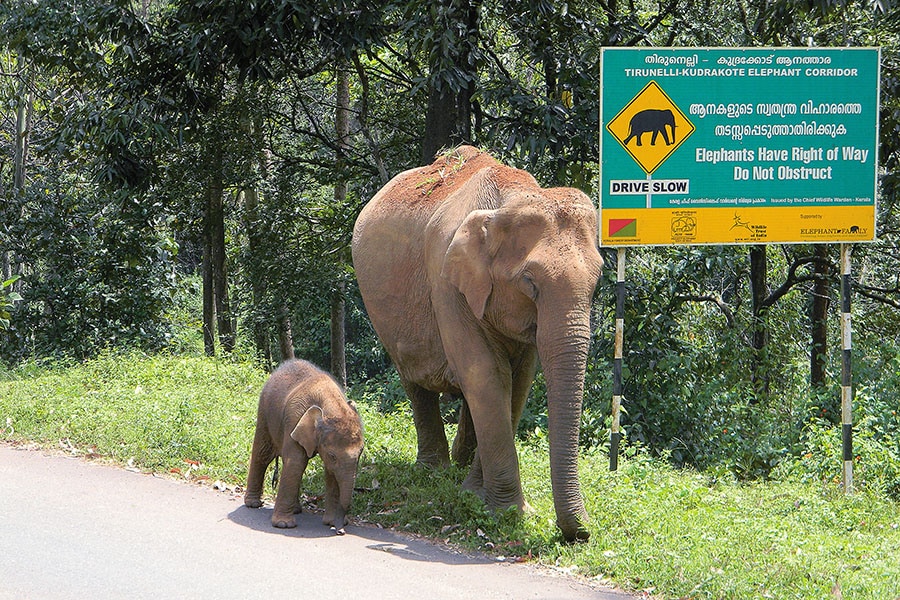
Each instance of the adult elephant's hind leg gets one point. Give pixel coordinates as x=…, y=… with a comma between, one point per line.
x=433, y=449
x=474, y=481
x=463, y=450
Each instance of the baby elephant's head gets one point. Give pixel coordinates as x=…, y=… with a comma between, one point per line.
x=337, y=436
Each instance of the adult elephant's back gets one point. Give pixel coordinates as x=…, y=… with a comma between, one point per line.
x=388, y=256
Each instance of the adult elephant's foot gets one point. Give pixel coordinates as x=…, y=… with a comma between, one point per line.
x=431, y=447
x=433, y=457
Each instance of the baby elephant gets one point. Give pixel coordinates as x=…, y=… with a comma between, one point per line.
x=303, y=412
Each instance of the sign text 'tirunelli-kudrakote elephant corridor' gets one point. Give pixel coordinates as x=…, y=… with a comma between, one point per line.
x=738, y=145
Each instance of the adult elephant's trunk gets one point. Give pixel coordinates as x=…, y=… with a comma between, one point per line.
x=562, y=347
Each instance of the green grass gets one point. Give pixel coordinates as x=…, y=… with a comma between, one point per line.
x=674, y=533
x=159, y=413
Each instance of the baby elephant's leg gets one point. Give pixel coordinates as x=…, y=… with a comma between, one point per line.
x=262, y=455
x=287, y=500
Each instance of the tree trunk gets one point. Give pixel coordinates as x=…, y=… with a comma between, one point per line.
x=24, y=111
x=216, y=310
x=818, y=352
x=760, y=332
x=257, y=279
x=285, y=335
x=216, y=216
x=209, y=296
x=338, y=307
x=448, y=116
x=255, y=239
x=338, y=335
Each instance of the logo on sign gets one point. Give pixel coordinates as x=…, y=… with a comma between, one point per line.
x=623, y=228
x=650, y=127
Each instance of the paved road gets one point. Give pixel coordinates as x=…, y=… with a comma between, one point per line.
x=73, y=529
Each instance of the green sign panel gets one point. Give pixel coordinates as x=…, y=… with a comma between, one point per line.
x=738, y=145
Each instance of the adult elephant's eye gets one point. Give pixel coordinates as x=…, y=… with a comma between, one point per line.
x=527, y=287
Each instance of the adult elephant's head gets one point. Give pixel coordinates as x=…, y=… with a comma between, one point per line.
x=527, y=266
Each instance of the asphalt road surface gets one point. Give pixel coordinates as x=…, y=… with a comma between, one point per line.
x=75, y=529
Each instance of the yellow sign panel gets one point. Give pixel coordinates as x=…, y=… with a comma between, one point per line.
x=650, y=127
x=736, y=225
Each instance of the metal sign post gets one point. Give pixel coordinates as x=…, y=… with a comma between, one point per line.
x=846, y=372
x=614, y=434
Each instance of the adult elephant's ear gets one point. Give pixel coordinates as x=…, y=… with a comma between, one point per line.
x=467, y=261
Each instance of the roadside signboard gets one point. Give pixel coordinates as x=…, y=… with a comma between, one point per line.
x=738, y=145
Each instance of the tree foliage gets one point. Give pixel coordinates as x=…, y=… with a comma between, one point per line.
x=144, y=145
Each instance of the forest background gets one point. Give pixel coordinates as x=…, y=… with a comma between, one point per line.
x=184, y=176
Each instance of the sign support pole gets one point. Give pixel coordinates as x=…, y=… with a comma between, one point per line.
x=615, y=435
x=846, y=372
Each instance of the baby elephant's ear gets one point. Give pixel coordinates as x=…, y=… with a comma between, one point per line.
x=306, y=431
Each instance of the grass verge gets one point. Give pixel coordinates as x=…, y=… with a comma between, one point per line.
x=668, y=532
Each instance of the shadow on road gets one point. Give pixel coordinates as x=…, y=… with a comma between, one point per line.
x=309, y=526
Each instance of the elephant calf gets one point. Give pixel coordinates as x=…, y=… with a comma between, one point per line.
x=303, y=412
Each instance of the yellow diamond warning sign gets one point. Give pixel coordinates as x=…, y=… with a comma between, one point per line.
x=650, y=127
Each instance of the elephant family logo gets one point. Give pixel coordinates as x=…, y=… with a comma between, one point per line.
x=650, y=127
x=684, y=226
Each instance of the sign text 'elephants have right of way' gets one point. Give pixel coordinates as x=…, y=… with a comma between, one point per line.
x=738, y=145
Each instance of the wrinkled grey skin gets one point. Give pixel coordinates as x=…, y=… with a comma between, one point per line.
x=303, y=412
x=471, y=273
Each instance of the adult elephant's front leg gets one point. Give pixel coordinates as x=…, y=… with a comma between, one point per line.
x=489, y=403
x=523, y=370
x=431, y=438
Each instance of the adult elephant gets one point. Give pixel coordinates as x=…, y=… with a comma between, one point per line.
x=471, y=273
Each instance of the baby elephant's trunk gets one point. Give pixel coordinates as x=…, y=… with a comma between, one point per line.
x=342, y=506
